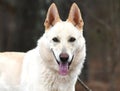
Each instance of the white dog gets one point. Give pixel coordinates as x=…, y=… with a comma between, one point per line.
x=54, y=64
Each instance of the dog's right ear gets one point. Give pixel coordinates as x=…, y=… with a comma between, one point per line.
x=52, y=16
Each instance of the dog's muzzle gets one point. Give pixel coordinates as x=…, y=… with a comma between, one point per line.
x=63, y=63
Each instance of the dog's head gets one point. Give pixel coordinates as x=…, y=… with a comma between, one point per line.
x=65, y=39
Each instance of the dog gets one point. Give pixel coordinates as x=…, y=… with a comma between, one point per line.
x=55, y=63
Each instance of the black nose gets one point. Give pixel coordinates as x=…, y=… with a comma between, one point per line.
x=64, y=57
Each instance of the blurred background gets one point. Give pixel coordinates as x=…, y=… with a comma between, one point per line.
x=21, y=24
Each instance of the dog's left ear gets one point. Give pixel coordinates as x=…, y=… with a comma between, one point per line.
x=52, y=16
x=75, y=16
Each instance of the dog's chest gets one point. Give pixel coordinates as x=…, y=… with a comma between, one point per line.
x=56, y=83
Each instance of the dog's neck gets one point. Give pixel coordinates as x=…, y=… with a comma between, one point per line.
x=56, y=82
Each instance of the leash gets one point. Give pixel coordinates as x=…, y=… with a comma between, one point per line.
x=84, y=85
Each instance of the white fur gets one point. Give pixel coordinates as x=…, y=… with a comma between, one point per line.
x=38, y=70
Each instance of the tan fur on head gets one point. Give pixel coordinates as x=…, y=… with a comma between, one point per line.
x=75, y=16
x=52, y=16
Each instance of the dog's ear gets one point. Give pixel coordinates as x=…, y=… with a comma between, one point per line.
x=52, y=16
x=75, y=16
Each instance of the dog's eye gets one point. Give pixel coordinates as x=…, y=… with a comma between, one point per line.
x=72, y=39
x=55, y=39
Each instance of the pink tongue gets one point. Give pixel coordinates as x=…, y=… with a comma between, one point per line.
x=63, y=69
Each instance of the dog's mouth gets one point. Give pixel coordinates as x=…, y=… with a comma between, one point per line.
x=63, y=64
x=63, y=68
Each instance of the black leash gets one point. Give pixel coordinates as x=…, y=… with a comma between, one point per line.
x=84, y=85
